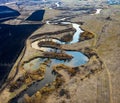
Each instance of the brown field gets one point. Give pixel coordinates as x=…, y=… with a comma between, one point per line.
x=98, y=80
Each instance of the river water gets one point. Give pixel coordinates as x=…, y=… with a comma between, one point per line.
x=77, y=60
x=7, y=13
x=12, y=40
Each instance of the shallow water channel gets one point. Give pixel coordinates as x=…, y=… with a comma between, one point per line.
x=77, y=60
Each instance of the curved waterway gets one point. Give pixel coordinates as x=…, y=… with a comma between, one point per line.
x=76, y=35
x=77, y=60
x=74, y=40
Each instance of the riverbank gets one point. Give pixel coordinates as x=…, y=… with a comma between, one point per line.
x=104, y=86
x=85, y=83
x=105, y=82
x=35, y=52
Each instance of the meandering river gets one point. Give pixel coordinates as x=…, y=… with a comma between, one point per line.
x=77, y=60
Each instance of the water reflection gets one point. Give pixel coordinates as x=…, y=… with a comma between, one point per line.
x=77, y=60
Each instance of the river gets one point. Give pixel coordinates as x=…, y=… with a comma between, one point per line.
x=77, y=60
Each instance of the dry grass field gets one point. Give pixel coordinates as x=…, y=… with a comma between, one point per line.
x=101, y=87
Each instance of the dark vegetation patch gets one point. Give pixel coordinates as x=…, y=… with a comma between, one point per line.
x=67, y=38
x=52, y=33
x=64, y=92
x=56, y=55
x=48, y=44
x=108, y=18
x=86, y=36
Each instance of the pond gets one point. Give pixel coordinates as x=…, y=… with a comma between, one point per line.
x=36, y=16
x=77, y=60
x=7, y=13
x=12, y=41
